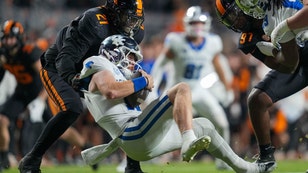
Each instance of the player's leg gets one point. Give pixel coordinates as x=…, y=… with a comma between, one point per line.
x=10, y=110
x=71, y=107
x=275, y=86
x=181, y=99
x=207, y=105
x=154, y=123
x=259, y=103
x=219, y=148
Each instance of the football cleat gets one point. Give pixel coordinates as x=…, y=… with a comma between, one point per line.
x=266, y=167
x=266, y=157
x=30, y=164
x=133, y=170
x=196, y=146
x=266, y=162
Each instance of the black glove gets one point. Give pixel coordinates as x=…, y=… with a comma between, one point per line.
x=75, y=81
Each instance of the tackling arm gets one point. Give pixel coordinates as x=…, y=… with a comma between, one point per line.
x=104, y=82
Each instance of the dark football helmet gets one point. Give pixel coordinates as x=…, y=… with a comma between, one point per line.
x=12, y=28
x=233, y=17
x=116, y=48
x=126, y=16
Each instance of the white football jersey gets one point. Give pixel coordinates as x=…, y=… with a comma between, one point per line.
x=7, y=86
x=275, y=16
x=102, y=109
x=193, y=62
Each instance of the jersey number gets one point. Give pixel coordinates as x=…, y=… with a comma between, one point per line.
x=192, y=71
x=18, y=72
x=246, y=37
x=102, y=19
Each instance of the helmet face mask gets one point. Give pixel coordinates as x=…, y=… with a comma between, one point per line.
x=126, y=16
x=122, y=51
x=196, y=22
x=129, y=22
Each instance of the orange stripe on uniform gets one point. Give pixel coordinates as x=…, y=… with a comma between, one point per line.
x=52, y=92
x=53, y=107
x=220, y=8
x=139, y=10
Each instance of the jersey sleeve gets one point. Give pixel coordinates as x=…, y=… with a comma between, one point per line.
x=92, y=65
x=247, y=44
x=85, y=31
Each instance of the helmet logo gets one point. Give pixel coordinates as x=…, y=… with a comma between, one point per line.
x=118, y=41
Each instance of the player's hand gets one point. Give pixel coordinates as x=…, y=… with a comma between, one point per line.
x=278, y=32
x=267, y=48
x=75, y=81
x=150, y=80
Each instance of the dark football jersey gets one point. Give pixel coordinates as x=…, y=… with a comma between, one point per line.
x=248, y=41
x=80, y=40
x=22, y=66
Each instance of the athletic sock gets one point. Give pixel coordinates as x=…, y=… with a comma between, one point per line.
x=219, y=148
x=264, y=149
x=188, y=135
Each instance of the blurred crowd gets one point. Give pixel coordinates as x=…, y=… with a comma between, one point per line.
x=42, y=19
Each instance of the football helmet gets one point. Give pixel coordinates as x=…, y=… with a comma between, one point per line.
x=194, y=15
x=12, y=28
x=126, y=16
x=116, y=48
x=230, y=14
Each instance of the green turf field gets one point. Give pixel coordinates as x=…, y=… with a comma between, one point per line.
x=174, y=167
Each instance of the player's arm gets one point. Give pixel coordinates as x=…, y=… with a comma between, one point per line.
x=299, y=20
x=79, y=36
x=104, y=82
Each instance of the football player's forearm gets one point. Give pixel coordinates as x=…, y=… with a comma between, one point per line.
x=299, y=19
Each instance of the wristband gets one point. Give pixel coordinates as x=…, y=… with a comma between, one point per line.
x=139, y=83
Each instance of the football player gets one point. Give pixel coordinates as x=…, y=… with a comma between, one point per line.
x=196, y=54
x=275, y=85
x=62, y=63
x=165, y=125
x=22, y=60
x=272, y=13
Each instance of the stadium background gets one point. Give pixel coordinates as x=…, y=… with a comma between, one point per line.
x=43, y=18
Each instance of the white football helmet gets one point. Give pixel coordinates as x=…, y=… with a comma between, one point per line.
x=195, y=14
x=116, y=48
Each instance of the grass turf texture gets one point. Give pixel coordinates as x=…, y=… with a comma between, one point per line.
x=298, y=166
